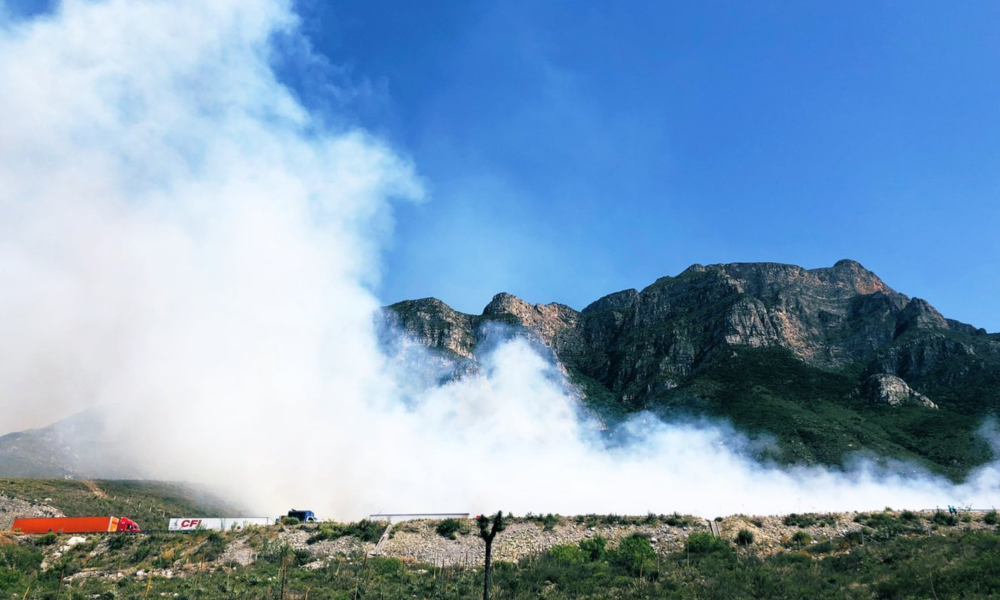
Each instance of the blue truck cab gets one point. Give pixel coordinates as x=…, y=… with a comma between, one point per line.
x=304, y=516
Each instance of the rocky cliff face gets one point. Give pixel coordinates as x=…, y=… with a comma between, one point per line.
x=640, y=343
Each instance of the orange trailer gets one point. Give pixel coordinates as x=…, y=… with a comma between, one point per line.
x=75, y=525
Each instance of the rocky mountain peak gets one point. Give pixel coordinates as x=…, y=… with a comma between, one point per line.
x=545, y=320
x=504, y=303
x=853, y=275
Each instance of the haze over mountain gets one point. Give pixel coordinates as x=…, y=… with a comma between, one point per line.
x=810, y=367
x=831, y=361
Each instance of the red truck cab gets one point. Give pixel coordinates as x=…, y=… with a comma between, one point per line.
x=125, y=524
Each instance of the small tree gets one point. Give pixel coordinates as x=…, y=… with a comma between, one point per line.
x=488, y=533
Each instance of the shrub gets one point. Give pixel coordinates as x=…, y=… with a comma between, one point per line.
x=943, y=518
x=801, y=538
x=215, y=545
x=23, y=559
x=821, y=548
x=303, y=556
x=635, y=555
x=909, y=516
x=364, y=530
x=549, y=521
x=595, y=548
x=567, y=553
x=46, y=540
x=796, y=520
x=744, y=537
x=117, y=542
x=705, y=543
x=827, y=521
x=142, y=551
x=852, y=538
x=290, y=521
x=676, y=520
x=991, y=518
x=449, y=527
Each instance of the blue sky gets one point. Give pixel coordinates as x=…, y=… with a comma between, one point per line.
x=572, y=149
x=576, y=148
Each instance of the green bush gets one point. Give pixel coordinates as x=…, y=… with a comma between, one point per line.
x=549, y=521
x=705, y=543
x=20, y=558
x=9, y=578
x=991, y=518
x=909, y=516
x=302, y=556
x=943, y=518
x=567, y=553
x=215, y=545
x=676, y=520
x=290, y=520
x=47, y=539
x=635, y=555
x=364, y=530
x=117, y=542
x=796, y=520
x=801, y=538
x=449, y=527
x=744, y=537
x=821, y=548
x=595, y=549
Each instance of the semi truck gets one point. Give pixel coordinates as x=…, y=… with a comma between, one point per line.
x=217, y=524
x=76, y=525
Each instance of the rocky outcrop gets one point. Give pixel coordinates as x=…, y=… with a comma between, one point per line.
x=890, y=390
x=547, y=321
x=11, y=508
x=438, y=326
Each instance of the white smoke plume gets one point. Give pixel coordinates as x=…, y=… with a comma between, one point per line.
x=183, y=245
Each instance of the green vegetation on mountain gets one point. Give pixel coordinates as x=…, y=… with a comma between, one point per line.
x=813, y=419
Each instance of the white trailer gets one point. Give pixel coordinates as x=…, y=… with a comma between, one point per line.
x=216, y=524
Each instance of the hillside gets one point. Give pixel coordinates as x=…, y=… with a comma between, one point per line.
x=150, y=503
x=886, y=554
x=73, y=447
x=829, y=361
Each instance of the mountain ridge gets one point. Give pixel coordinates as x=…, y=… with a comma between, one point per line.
x=667, y=346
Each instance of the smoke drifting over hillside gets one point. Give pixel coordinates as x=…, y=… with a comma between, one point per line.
x=183, y=246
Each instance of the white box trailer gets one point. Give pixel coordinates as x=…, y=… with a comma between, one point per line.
x=218, y=524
